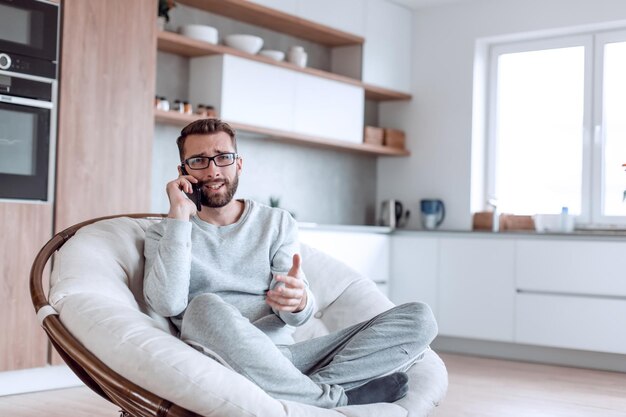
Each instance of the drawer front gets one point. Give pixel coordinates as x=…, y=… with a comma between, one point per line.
x=597, y=268
x=571, y=322
x=476, y=288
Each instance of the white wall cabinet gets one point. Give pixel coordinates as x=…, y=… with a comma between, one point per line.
x=345, y=15
x=264, y=95
x=413, y=270
x=387, y=50
x=327, y=108
x=286, y=6
x=477, y=288
x=385, y=58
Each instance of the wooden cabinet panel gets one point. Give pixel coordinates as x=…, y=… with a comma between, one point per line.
x=477, y=288
x=24, y=228
x=414, y=270
x=589, y=267
x=106, y=119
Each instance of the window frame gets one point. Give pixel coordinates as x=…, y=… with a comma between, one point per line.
x=598, y=219
x=592, y=124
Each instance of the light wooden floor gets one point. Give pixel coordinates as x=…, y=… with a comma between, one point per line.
x=478, y=387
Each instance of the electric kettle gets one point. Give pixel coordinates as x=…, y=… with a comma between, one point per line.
x=392, y=214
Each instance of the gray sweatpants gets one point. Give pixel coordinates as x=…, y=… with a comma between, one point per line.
x=315, y=371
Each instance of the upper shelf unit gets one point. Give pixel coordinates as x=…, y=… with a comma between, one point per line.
x=174, y=118
x=258, y=15
x=182, y=45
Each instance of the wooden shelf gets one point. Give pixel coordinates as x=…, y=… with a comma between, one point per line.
x=258, y=15
x=180, y=119
x=182, y=45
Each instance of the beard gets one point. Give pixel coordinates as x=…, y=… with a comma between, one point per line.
x=209, y=199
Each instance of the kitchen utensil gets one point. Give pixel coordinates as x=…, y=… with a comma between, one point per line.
x=271, y=53
x=246, y=43
x=433, y=213
x=297, y=56
x=200, y=32
x=392, y=214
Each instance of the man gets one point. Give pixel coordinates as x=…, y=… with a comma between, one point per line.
x=229, y=278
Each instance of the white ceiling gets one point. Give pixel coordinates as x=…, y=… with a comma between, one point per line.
x=419, y=4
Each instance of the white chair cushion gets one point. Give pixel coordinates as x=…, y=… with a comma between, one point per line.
x=96, y=286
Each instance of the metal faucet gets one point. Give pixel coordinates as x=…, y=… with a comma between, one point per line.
x=495, y=221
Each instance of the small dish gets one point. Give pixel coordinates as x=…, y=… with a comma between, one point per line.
x=200, y=32
x=274, y=54
x=246, y=43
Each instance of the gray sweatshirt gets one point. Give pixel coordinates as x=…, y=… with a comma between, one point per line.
x=237, y=262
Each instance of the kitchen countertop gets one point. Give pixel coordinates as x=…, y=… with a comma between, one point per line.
x=348, y=228
x=577, y=234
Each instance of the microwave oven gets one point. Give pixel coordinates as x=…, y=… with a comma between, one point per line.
x=28, y=37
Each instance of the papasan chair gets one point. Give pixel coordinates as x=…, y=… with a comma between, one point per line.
x=96, y=318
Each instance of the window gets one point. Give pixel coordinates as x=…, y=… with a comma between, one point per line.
x=557, y=127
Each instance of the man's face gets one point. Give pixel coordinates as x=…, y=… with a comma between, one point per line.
x=218, y=184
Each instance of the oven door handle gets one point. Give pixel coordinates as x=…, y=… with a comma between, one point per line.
x=29, y=102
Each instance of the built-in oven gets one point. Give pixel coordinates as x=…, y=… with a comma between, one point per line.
x=28, y=37
x=28, y=89
x=27, y=126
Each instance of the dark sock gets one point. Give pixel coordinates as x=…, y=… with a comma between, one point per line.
x=386, y=389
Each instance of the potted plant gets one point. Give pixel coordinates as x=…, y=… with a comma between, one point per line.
x=163, y=12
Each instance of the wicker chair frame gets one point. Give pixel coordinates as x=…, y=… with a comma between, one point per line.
x=131, y=398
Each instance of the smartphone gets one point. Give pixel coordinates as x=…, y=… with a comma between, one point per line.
x=195, y=196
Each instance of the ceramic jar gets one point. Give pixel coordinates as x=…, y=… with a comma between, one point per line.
x=297, y=56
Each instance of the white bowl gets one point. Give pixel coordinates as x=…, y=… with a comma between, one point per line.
x=247, y=43
x=275, y=55
x=200, y=32
x=554, y=223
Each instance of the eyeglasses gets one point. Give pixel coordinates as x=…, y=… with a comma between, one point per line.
x=203, y=162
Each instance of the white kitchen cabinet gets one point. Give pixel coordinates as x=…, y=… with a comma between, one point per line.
x=572, y=322
x=588, y=267
x=286, y=6
x=328, y=109
x=476, y=288
x=413, y=270
x=387, y=49
x=345, y=15
x=244, y=91
x=366, y=253
x=264, y=95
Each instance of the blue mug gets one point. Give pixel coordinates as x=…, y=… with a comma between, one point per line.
x=433, y=213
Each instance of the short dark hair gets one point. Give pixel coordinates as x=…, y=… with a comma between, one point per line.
x=205, y=127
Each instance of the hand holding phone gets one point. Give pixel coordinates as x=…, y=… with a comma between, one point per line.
x=196, y=195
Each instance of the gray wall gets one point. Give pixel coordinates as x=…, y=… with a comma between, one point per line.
x=317, y=185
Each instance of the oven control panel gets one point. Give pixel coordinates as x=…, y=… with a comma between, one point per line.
x=27, y=65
